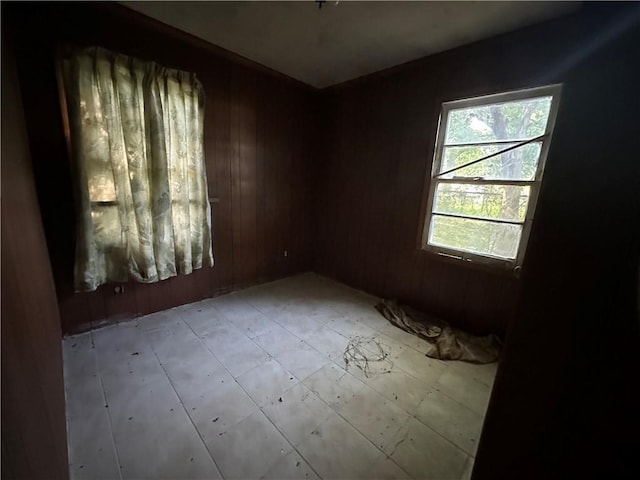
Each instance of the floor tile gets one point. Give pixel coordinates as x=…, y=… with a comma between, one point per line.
x=230, y=385
x=202, y=320
x=350, y=457
x=423, y=453
x=350, y=328
x=291, y=466
x=299, y=325
x=150, y=423
x=468, y=470
x=267, y=382
x=375, y=417
x=239, y=355
x=277, y=340
x=125, y=358
x=468, y=392
x=452, y=420
x=416, y=364
x=401, y=388
x=302, y=360
x=203, y=308
x=91, y=447
x=223, y=339
x=386, y=469
x=483, y=373
x=333, y=384
x=249, y=449
x=219, y=408
x=79, y=357
x=252, y=323
x=298, y=414
x=327, y=341
x=194, y=371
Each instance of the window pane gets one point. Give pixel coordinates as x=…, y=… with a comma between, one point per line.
x=476, y=236
x=517, y=164
x=500, y=202
x=501, y=121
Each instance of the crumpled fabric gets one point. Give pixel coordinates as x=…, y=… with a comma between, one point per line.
x=447, y=342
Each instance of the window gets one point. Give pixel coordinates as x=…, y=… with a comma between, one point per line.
x=135, y=132
x=489, y=158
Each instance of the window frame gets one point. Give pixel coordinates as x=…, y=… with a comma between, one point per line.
x=554, y=91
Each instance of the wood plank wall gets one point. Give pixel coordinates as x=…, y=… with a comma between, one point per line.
x=258, y=148
x=563, y=390
x=34, y=440
x=380, y=132
x=564, y=404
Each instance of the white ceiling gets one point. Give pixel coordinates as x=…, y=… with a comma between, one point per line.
x=346, y=39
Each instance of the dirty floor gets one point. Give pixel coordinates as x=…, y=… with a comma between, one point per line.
x=254, y=384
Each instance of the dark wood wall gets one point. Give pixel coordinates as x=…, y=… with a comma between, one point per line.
x=564, y=404
x=34, y=441
x=380, y=133
x=258, y=151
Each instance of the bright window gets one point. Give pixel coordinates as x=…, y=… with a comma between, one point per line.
x=487, y=168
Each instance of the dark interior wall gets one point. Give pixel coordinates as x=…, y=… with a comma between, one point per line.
x=563, y=404
x=34, y=441
x=257, y=149
x=380, y=133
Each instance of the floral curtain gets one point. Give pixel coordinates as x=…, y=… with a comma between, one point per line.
x=136, y=141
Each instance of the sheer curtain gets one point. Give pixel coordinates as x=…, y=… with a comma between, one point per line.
x=136, y=142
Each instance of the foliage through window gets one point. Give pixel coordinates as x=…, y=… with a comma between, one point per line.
x=488, y=163
x=135, y=133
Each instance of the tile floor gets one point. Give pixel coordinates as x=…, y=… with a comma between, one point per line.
x=254, y=385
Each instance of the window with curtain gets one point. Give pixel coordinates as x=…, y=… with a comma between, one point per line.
x=135, y=133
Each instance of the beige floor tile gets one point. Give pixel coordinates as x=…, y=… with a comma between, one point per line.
x=452, y=420
x=219, y=408
x=298, y=414
x=333, y=385
x=277, y=340
x=249, y=449
x=349, y=457
x=375, y=417
x=424, y=454
x=291, y=467
x=267, y=382
x=302, y=360
x=467, y=391
x=238, y=357
x=386, y=469
x=327, y=341
x=401, y=388
x=194, y=392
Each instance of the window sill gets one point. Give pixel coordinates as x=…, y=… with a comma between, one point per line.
x=500, y=270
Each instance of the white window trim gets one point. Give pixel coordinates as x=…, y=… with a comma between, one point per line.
x=551, y=90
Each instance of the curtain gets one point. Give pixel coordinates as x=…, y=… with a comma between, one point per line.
x=136, y=141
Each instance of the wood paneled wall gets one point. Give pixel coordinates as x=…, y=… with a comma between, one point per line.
x=565, y=401
x=34, y=440
x=258, y=149
x=563, y=404
x=381, y=132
